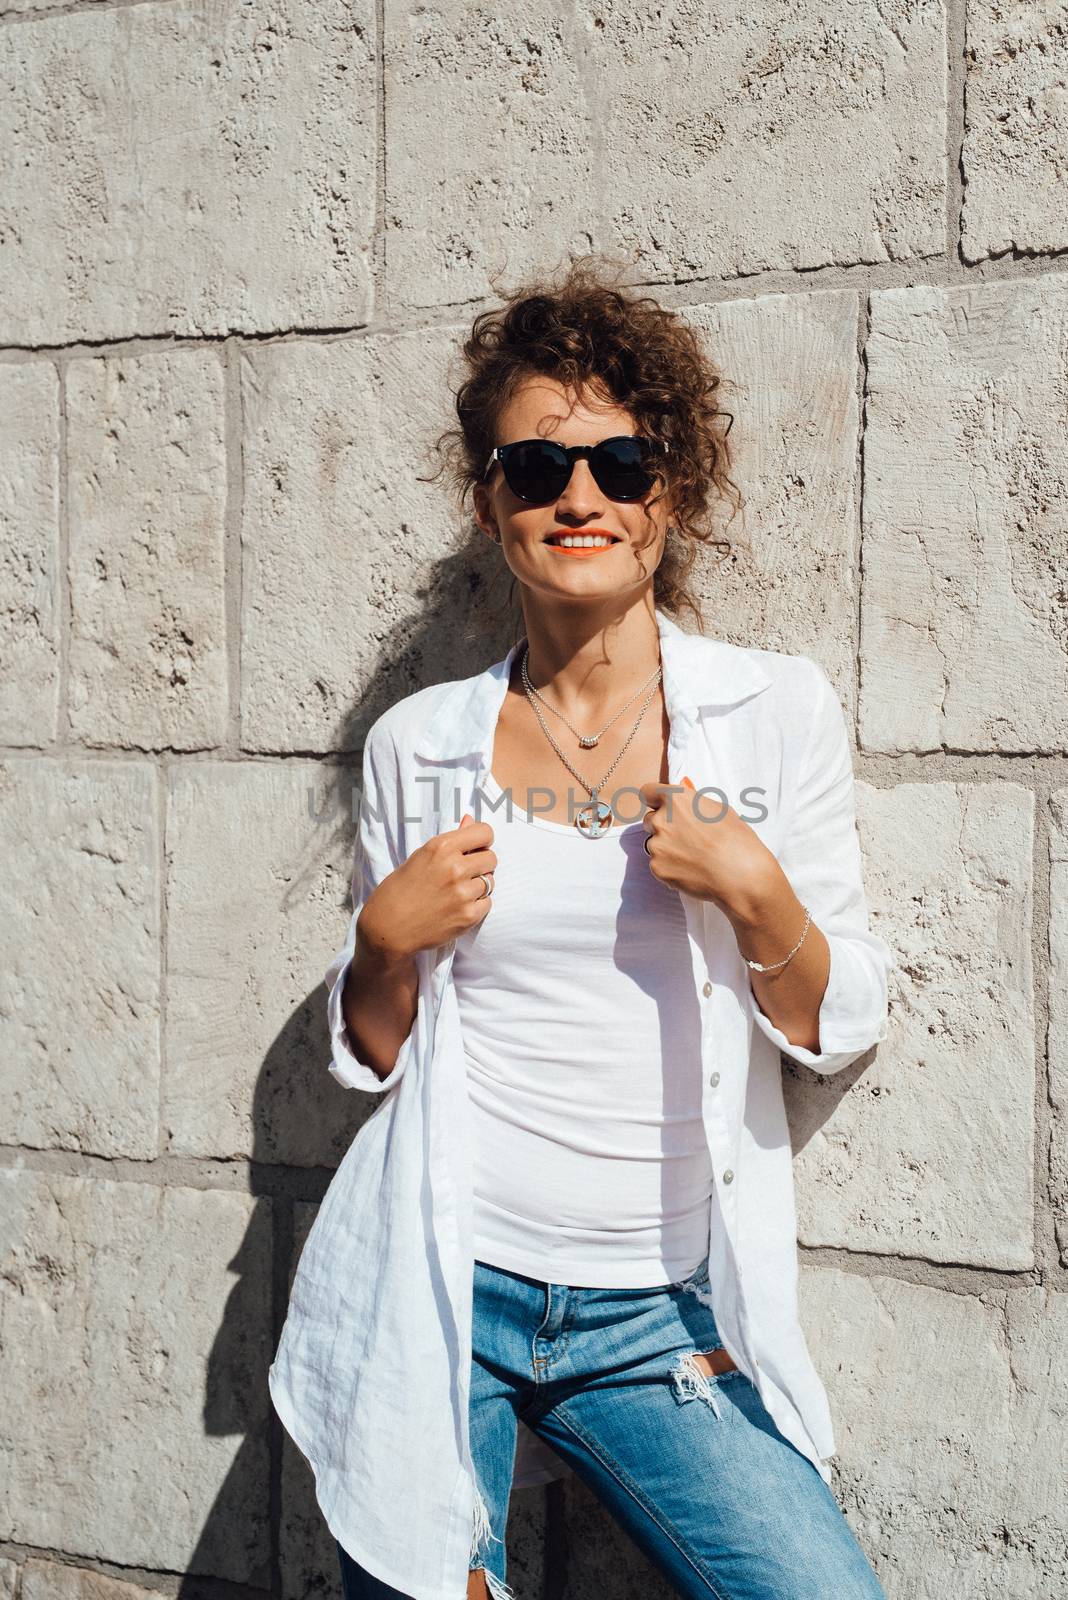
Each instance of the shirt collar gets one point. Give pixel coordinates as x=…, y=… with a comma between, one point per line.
x=699, y=672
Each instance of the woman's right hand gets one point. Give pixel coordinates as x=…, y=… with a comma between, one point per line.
x=433, y=896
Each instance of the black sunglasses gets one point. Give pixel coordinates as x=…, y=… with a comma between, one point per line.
x=539, y=469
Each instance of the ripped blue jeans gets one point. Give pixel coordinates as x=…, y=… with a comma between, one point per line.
x=688, y=1461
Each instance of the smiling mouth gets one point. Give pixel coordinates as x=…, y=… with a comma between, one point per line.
x=582, y=543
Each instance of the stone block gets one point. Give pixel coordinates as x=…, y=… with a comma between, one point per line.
x=1015, y=128
x=966, y=520
x=789, y=365
x=134, y=1346
x=52, y=1580
x=927, y=1150
x=714, y=146
x=257, y=904
x=349, y=564
x=29, y=573
x=950, y=1414
x=194, y=168
x=147, y=499
x=79, y=973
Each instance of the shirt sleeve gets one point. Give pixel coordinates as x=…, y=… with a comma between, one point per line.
x=377, y=853
x=821, y=858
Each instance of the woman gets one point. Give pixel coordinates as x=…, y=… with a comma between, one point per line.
x=566, y=1242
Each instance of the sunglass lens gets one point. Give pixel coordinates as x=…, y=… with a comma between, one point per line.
x=536, y=470
x=621, y=467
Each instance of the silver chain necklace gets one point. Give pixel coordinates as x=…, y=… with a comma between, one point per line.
x=586, y=740
x=595, y=819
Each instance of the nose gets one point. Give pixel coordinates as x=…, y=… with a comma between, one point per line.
x=581, y=497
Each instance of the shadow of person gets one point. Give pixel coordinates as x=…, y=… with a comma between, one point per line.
x=812, y=1099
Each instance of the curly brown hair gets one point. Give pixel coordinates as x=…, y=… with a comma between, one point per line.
x=586, y=330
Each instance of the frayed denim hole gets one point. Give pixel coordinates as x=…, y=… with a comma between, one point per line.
x=691, y=1382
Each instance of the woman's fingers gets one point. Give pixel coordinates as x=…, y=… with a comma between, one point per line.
x=480, y=861
x=657, y=796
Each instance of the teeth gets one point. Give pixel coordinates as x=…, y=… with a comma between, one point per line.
x=584, y=541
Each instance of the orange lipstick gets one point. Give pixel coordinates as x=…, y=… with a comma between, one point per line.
x=582, y=550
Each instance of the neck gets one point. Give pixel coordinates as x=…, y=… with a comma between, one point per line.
x=587, y=658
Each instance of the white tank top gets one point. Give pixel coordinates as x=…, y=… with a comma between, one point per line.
x=582, y=1037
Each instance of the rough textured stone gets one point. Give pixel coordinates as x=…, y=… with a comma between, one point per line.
x=526, y=1537
x=134, y=1365
x=147, y=498
x=345, y=554
x=736, y=150
x=789, y=365
x=191, y=168
x=603, y=1562
x=516, y=178
x=29, y=545
x=1057, y=1039
x=51, y=1580
x=23, y=7
x=929, y=1151
x=780, y=137
x=950, y=1415
x=257, y=904
x=966, y=519
x=9, y=1574
x=1016, y=128
x=79, y=959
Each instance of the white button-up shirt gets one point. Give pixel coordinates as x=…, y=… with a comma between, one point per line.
x=371, y=1375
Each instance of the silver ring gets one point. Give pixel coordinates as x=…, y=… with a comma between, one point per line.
x=645, y=845
x=488, y=881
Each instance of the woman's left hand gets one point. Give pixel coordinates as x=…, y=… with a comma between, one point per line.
x=700, y=845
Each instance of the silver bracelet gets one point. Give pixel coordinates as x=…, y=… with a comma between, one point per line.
x=760, y=966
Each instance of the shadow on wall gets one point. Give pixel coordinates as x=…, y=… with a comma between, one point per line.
x=811, y=1099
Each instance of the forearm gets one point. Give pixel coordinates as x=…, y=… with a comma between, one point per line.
x=379, y=1002
x=767, y=930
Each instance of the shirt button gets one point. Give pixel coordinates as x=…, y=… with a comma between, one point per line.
x=714, y=1079
x=706, y=990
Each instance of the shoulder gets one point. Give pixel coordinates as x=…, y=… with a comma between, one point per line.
x=399, y=729
x=786, y=684
x=801, y=704
x=809, y=714
x=797, y=680
x=807, y=699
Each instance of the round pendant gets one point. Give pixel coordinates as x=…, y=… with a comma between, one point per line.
x=594, y=820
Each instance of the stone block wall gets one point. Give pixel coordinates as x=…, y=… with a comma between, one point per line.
x=239, y=241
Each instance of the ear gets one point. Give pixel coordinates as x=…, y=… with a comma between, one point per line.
x=484, y=517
